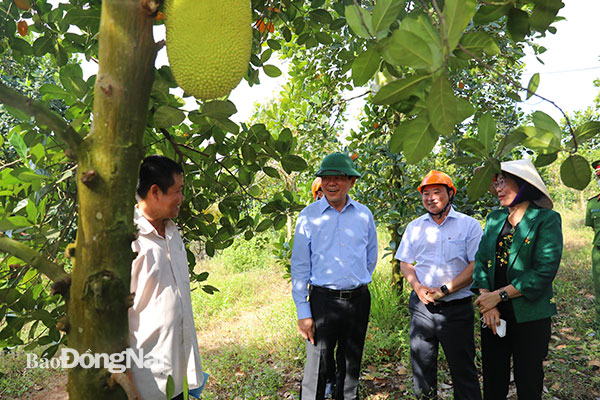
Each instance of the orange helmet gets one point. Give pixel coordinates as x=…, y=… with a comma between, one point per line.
x=437, y=178
x=316, y=186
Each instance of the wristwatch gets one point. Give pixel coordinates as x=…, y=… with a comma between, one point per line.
x=444, y=289
x=504, y=295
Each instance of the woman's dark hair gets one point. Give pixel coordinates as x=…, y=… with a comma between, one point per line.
x=157, y=170
x=527, y=192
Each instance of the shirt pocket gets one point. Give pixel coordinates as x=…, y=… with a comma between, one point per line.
x=456, y=249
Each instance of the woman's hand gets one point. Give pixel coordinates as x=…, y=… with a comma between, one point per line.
x=487, y=301
x=492, y=319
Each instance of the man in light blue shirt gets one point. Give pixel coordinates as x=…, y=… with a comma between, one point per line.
x=437, y=254
x=334, y=255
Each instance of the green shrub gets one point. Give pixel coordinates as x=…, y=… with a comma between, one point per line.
x=247, y=255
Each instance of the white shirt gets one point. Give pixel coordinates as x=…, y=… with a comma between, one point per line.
x=161, y=321
x=442, y=251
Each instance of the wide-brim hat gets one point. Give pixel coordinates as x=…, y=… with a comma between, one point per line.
x=337, y=164
x=525, y=170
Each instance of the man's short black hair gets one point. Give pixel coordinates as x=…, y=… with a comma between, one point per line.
x=157, y=170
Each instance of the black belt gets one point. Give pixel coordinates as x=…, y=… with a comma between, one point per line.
x=340, y=294
x=456, y=302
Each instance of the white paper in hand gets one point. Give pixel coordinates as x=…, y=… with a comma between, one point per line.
x=501, y=329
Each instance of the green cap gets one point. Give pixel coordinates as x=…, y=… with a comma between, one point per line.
x=337, y=164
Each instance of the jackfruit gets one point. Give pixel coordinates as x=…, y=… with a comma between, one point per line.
x=208, y=44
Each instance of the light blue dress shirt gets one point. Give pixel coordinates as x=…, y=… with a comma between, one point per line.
x=443, y=251
x=332, y=249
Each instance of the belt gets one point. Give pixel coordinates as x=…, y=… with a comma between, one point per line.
x=340, y=294
x=456, y=302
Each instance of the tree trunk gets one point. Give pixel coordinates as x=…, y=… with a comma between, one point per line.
x=109, y=159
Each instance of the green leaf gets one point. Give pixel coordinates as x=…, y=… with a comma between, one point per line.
x=443, y=106
x=509, y=142
x=264, y=225
x=534, y=82
x=419, y=138
x=271, y=70
x=219, y=109
x=545, y=122
x=50, y=91
x=457, y=14
x=71, y=77
x=398, y=90
x=15, y=222
x=209, y=247
x=489, y=13
x=22, y=46
x=540, y=140
x=266, y=55
x=20, y=147
x=274, y=44
x=478, y=43
x=517, y=24
x=85, y=19
x=279, y=221
x=481, y=181
x=272, y=172
x=170, y=387
x=544, y=13
x=384, y=13
x=406, y=48
x=545, y=159
x=320, y=16
x=587, y=131
x=465, y=160
x=487, y=130
x=248, y=154
x=227, y=125
x=365, y=66
x=575, y=172
x=42, y=45
x=291, y=162
x=359, y=21
x=166, y=117
x=323, y=38
x=18, y=114
x=473, y=146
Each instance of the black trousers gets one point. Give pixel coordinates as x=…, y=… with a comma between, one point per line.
x=527, y=343
x=341, y=321
x=450, y=325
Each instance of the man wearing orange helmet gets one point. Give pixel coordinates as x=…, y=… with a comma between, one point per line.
x=316, y=189
x=437, y=254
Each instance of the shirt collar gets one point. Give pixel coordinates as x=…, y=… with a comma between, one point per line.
x=451, y=214
x=324, y=204
x=146, y=228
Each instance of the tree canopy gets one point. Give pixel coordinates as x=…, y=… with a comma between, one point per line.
x=439, y=77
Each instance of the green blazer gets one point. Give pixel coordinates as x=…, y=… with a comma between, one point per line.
x=533, y=260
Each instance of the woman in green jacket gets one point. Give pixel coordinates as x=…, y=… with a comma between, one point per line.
x=515, y=265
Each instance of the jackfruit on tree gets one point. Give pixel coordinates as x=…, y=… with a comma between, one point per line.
x=208, y=44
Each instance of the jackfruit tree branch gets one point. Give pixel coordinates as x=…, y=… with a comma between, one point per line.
x=43, y=115
x=53, y=271
x=516, y=84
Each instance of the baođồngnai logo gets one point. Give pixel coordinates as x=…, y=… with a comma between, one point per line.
x=114, y=363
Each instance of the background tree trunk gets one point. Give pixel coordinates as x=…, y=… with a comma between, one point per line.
x=109, y=160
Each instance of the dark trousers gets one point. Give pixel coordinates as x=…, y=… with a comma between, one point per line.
x=341, y=321
x=450, y=325
x=527, y=343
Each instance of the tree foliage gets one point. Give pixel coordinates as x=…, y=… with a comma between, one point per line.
x=439, y=76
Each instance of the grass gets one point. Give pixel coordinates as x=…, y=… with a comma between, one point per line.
x=250, y=345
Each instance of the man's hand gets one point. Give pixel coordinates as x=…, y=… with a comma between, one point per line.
x=487, y=301
x=436, y=294
x=424, y=293
x=306, y=327
x=492, y=319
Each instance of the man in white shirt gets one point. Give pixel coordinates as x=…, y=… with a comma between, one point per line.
x=161, y=320
x=437, y=254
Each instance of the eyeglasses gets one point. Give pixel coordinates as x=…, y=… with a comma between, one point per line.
x=499, y=183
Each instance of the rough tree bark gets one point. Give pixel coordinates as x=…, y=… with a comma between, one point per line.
x=108, y=161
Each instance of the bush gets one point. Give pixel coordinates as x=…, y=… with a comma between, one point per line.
x=247, y=255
